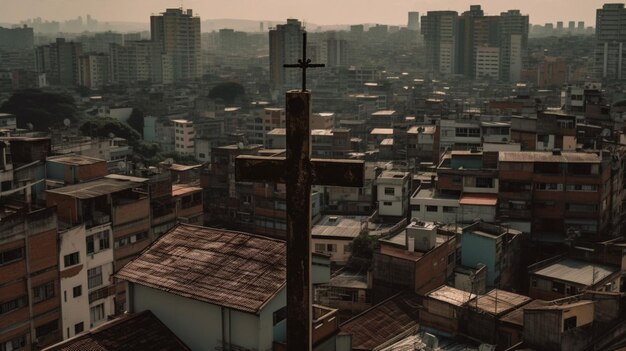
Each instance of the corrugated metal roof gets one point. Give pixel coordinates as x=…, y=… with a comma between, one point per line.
x=231, y=269
x=339, y=226
x=96, y=188
x=382, y=131
x=77, y=160
x=517, y=316
x=548, y=156
x=576, y=271
x=450, y=295
x=498, y=301
x=141, y=331
x=383, y=322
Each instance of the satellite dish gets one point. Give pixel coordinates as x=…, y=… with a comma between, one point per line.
x=605, y=132
x=121, y=165
x=169, y=161
x=30, y=126
x=67, y=122
x=240, y=145
x=111, y=135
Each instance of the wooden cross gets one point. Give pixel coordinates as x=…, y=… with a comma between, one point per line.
x=304, y=62
x=299, y=172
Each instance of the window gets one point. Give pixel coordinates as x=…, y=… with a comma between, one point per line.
x=415, y=208
x=13, y=344
x=569, y=323
x=11, y=255
x=430, y=208
x=387, y=203
x=390, y=191
x=77, y=291
x=96, y=313
x=484, y=182
x=449, y=209
x=47, y=328
x=558, y=287
x=71, y=259
x=94, y=277
x=279, y=315
x=549, y=186
x=101, y=239
x=582, y=187
x=14, y=304
x=130, y=239
x=319, y=247
x=331, y=248
x=78, y=328
x=43, y=292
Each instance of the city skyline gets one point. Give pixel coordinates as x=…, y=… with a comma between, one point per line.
x=349, y=12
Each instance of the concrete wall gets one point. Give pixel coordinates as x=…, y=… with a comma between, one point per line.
x=203, y=326
x=479, y=249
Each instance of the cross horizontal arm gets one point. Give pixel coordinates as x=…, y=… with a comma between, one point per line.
x=329, y=172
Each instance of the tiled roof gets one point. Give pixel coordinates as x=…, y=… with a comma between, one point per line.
x=383, y=322
x=231, y=269
x=141, y=331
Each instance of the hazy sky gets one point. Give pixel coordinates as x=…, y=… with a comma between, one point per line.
x=315, y=11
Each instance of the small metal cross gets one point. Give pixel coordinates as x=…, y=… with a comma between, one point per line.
x=304, y=62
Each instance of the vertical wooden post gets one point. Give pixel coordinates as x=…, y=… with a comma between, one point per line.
x=298, y=180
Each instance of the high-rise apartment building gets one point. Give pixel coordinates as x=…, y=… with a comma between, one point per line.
x=94, y=70
x=610, y=39
x=178, y=32
x=336, y=52
x=414, y=21
x=140, y=61
x=513, y=31
x=438, y=28
x=16, y=38
x=453, y=43
x=285, y=47
x=59, y=61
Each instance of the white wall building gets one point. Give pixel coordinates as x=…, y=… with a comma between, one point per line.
x=393, y=193
x=86, y=267
x=487, y=62
x=184, y=135
x=236, y=301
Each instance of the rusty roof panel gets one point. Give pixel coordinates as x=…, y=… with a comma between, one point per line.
x=226, y=268
x=383, y=322
x=141, y=331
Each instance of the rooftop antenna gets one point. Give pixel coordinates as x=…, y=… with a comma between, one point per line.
x=67, y=122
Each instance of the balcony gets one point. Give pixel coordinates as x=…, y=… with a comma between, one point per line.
x=101, y=293
x=325, y=322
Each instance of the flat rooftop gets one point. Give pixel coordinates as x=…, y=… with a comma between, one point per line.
x=339, y=226
x=450, y=295
x=548, y=156
x=576, y=271
x=75, y=160
x=349, y=280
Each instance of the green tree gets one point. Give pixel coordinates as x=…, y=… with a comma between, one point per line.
x=228, y=92
x=136, y=120
x=41, y=109
x=105, y=127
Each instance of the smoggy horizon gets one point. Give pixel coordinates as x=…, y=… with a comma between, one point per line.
x=320, y=12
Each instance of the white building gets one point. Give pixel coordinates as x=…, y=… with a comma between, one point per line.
x=487, y=62
x=184, y=135
x=94, y=70
x=393, y=193
x=86, y=267
x=215, y=289
x=333, y=235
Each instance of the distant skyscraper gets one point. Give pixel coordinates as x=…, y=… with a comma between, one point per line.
x=337, y=52
x=610, y=39
x=474, y=30
x=60, y=62
x=414, y=21
x=285, y=47
x=438, y=29
x=513, y=32
x=581, y=26
x=94, y=70
x=16, y=38
x=178, y=33
x=559, y=26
